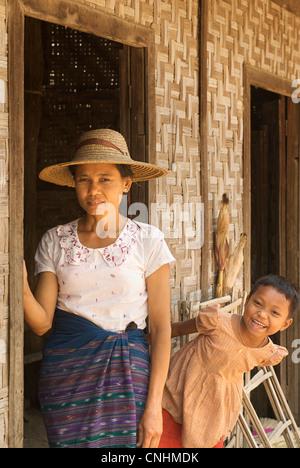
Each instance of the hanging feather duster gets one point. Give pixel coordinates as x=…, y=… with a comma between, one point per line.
x=222, y=243
x=235, y=262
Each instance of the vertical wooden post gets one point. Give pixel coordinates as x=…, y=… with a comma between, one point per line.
x=16, y=171
x=205, y=254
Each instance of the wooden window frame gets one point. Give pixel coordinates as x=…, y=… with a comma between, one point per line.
x=92, y=21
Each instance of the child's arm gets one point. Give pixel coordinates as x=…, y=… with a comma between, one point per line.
x=187, y=327
x=184, y=328
x=179, y=329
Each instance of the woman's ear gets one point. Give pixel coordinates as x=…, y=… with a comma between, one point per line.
x=127, y=184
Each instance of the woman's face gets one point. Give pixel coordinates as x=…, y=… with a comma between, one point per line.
x=100, y=187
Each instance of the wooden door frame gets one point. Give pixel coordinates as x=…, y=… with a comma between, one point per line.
x=289, y=241
x=265, y=80
x=92, y=21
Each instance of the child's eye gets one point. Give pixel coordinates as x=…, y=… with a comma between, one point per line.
x=256, y=302
x=274, y=312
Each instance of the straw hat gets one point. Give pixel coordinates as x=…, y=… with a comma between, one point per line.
x=100, y=146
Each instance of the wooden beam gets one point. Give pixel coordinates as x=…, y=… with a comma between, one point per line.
x=269, y=81
x=16, y=190
x=205, y=251
x=92, y=21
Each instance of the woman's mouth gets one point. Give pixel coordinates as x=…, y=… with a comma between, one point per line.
x=95, y=202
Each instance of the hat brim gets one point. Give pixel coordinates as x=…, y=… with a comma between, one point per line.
x=60, y=174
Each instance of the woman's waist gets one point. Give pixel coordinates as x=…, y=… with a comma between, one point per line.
x=76, y=330
x=112, y=316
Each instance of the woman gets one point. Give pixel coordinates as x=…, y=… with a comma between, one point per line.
x=99, y=278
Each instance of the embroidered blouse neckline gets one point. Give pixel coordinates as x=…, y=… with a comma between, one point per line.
x=76, y=222
x=114, y=254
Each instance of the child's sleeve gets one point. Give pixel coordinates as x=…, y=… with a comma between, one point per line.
x=276, y=358
x=207, y=320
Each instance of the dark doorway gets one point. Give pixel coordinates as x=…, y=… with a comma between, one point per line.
x=74, y=82
x=265, y=182
x=275, y=212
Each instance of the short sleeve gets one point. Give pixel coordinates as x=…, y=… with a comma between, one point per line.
x=277, y=356
x=207, y=320
x=157, y=254
x=44, y=257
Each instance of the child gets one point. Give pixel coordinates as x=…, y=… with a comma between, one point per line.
x=203, y=392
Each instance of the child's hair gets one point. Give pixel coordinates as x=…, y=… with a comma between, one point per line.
x=283, y=286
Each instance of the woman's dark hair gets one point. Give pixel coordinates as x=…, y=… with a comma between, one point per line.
x=283, y=286
x=124, y=169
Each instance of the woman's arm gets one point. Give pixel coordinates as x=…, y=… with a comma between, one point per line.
x=39, y=308
x=158, y=287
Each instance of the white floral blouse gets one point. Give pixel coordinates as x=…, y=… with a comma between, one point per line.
x=107, y=285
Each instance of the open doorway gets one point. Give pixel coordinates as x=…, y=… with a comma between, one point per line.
x=74, y=82
x=275, y=151
x=265, y=182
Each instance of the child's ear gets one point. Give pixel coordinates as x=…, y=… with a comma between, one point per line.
x=247, y=300
x=286, y=324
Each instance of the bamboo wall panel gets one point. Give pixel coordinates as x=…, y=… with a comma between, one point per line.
x=264, y=35
x=175, y=24
x=4, y=232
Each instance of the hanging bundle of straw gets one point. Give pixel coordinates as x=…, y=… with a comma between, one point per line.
x=222, y=243
x=235, y=262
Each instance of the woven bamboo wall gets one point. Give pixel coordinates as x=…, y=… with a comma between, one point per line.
x=175, y=24
x=4, y=226
x=256, y=31
x=259, y=33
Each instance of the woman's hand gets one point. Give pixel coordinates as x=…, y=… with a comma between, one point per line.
x=158, y=287
x=150, y=427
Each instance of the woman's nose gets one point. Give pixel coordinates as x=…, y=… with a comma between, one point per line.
x=94, y=188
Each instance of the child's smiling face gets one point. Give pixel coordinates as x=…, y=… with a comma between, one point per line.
x=266, y=313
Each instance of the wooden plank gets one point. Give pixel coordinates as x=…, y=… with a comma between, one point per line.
x=93, y=21
x=266, y=80
x=282, y=187
x=16, y=170
x=205, y=250
x=291, y=5
x=247, y=177
x=291, y=370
